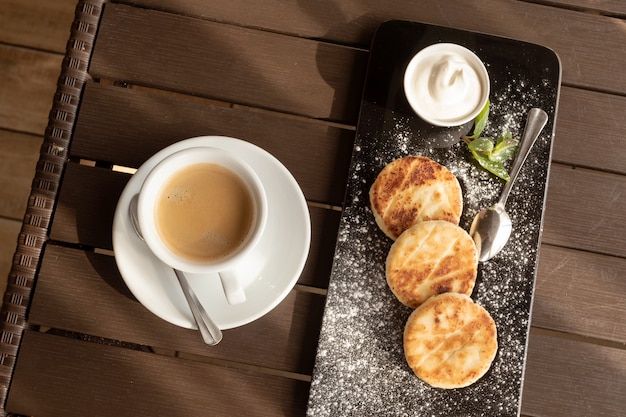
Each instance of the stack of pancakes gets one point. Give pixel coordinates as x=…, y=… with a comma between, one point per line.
x=449, y=341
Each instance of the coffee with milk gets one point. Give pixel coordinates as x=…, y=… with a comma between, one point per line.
x=204, y=212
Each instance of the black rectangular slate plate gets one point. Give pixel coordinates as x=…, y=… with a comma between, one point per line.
x=360, y=368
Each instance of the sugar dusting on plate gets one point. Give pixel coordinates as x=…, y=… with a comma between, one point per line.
x=360, y=368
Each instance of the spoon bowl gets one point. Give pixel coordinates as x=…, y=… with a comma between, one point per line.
x=492, y=227
x=211, y=333
x=491, y=230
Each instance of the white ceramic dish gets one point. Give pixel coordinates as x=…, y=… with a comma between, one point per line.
x=278, y=260
x=446, y=84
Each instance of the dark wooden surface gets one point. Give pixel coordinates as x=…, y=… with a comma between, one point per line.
x=288, y=78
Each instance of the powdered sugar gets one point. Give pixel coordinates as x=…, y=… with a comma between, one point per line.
x=360, y=368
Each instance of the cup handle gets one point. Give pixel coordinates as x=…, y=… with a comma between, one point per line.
x=232, y=288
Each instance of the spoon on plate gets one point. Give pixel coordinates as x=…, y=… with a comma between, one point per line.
x=211, y=333
x=492, y=227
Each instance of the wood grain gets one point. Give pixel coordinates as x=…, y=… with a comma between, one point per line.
x=214, y=60
x=617, y=7
x=37, y=24
x=588, y=124
x=125, y=127
x=76, y=379
x=584, y=61
x=593, y=199
x=84, y=217
x=591, y=115
x=82, y=214
x=18, y=157
x=585, y=210
x=566, y=378
x=590, y=130
x=283, y=339
x=27, y=85
x=581, y=293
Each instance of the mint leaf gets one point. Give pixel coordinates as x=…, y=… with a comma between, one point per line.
x=482, y=145
x=480, y=121
x=489, y=155
x=495, y=167
x=505, y=148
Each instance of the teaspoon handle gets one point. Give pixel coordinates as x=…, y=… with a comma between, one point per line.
x=536, y=120
x=211, y=334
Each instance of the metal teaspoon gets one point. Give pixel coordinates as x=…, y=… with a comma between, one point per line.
x=491, y=227
x=211, y=333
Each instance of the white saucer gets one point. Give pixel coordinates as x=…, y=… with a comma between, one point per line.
x=279, y=258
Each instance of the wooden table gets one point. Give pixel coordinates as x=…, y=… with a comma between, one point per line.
x=287, y=76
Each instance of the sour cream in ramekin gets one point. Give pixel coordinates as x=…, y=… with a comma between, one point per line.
x=446, y=84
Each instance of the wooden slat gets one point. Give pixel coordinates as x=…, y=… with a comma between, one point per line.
x=87, y=202
x=58, y=376
x=538, y=375
x=585, y=210
x=580, y=292
x=83, y=292
x=18, y=157
x=86, y=205
x=617, y=7
x=232, y=64
x=324, y=228
x=125, y=127
x=590, y=130
x=588, y=123
x=566, y=378
x=555, y=231
x=37, y=24
x=27, y=85
x=584, y=61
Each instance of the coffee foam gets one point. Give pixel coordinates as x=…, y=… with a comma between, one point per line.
x=179, y=195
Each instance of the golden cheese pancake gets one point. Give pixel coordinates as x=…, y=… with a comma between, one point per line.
x=431, y=258
x=413, y=189
x=449, y=341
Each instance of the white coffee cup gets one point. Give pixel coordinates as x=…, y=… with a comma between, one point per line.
x=446, y=84
x=197, y=225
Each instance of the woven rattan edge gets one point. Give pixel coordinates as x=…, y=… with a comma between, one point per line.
x=41, y=202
